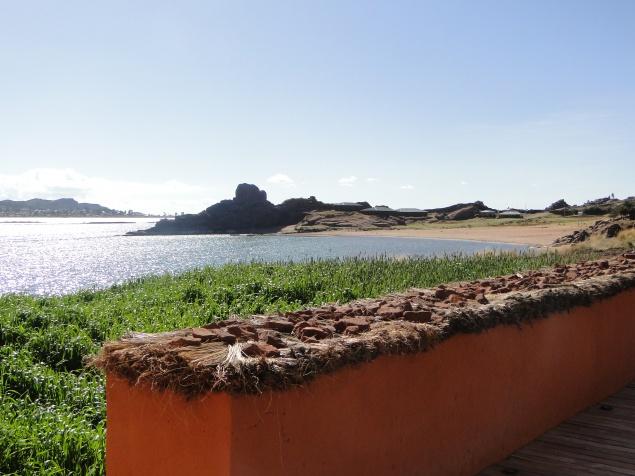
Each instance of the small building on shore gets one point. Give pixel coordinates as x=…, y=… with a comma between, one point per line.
x=510, y=214
x=379, y=210
x=384, y=210
x=348, y=206
x=488, y=213
x=411, y=212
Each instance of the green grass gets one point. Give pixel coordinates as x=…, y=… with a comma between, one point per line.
x=52, y=409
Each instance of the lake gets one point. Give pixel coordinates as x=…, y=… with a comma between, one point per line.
x=47, y=256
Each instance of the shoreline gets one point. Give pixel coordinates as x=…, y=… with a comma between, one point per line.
x=540, y=236
x=379, y=234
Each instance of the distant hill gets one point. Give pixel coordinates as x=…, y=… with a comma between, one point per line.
x=60, y=207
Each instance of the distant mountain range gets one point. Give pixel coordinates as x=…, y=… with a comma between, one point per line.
x=63, y=207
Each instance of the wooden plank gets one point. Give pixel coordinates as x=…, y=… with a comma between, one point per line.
x=549, y=466
x=608, y=439
x=623, y=437
x=575, y=463
x=577, y=456
x=597, y=441
x=580, y=454
x=602, y=422
x=596, y=446
x=616, y=401
x=538, y=467
x=618, y=413
x=626, y=396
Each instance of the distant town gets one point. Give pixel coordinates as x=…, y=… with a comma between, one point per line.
x=63, y=207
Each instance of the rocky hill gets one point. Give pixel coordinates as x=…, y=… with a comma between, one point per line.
x=599, y=206
x=332, y=220
x=600, y=229
x=248, y=212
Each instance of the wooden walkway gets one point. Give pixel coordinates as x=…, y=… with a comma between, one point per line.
x=597, y=441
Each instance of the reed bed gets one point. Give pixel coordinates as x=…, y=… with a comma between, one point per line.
x=52, y=408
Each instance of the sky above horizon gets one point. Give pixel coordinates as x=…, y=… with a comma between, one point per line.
x=166, y=106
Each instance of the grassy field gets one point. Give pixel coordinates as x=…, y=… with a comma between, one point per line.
x=52, y=409
x=529, y=220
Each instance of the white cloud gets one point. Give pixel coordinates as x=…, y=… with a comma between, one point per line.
x=347, y=181
x=169, y=196
x=372, y=180
x=281, y=179
x=407, y=187
x=463, y=182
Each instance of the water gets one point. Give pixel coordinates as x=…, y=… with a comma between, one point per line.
x=47, y=256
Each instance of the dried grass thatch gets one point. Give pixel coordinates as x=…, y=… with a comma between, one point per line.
x=178, y=362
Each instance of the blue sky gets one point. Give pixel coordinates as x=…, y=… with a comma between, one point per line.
x=166, y=106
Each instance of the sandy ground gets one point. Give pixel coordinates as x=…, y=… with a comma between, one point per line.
x=535, y=235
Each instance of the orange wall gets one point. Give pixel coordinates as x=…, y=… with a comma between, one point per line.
x=450, y=411
x=162, y=434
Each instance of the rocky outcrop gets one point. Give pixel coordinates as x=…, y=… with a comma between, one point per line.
x=453, y=208
x=331, y=220
x=459, y=211
x=248, y=212
x=466, y=213
x=601, y=228
x=558, y=205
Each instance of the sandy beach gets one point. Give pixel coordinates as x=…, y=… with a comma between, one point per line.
x=534, y=235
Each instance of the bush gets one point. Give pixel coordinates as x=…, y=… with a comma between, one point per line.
x=627, y=209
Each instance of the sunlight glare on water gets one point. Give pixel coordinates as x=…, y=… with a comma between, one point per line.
x=47, y=256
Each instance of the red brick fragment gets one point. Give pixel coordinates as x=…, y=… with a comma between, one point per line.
x=213, y=335
x=314, y=332
x=224, y=336
x=203, y=334
x=480, y=298
x=245, y=331
x=352, y=330
x=299, y=326
x=417, y=316
x=394, y=309
x=260, y=349
x=184, y=342
x=443, y=293
x=361, y=322
x=279, y=325
x=345, y=310
x=271, y=338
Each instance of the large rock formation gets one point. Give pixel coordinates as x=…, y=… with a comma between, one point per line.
x=330, y=220
x=248, y=212
x=600, y=229
x=460, y=211
x=558, y=205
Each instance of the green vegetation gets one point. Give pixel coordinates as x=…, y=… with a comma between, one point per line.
x=52, y=409
x=627, y=209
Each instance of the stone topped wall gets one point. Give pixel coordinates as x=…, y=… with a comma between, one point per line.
x=433, y=381
x=262, y=352
x=455, y=409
